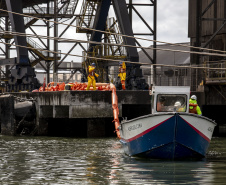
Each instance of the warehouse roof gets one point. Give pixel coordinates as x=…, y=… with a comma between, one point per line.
x=168, y=57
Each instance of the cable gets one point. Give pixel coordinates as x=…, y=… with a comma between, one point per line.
x=113, y=33
x=94, y=42
x=130, y=62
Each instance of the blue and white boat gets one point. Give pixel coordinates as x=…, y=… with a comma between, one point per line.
x=169, y=133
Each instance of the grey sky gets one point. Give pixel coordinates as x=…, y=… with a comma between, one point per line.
x=172, y=21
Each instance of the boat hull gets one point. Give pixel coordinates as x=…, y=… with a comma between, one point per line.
x=167, y=136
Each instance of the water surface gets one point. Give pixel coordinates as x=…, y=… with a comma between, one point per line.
x=49, y=160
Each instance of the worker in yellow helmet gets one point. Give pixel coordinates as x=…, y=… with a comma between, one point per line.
x=193, y=106
x=91, y=76
x=122, y=74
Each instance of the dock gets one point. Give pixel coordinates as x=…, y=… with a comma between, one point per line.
x=82, y=113
x=70, y=113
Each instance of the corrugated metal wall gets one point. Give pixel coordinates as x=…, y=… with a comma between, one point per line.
x=217, y=10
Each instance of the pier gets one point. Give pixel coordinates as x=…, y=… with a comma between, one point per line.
x=70, y=113
x=81, y=113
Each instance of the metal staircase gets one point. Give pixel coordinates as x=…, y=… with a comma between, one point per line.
x=38, y=50
x=66, y=10
x=87, y=15
x=35, y=61
x=109, y=51
x=113, y=50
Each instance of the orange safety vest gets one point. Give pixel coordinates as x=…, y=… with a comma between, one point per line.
x=192, y=108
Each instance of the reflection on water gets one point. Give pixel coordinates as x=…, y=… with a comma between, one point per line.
x=44, y=160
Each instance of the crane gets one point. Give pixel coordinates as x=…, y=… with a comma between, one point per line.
x=134, y=72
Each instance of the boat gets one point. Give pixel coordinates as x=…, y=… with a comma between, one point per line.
x=168, y=133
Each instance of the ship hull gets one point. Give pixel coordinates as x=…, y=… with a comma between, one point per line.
x=167, y=136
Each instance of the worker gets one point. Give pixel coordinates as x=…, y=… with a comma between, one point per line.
x=91, y=76
x=193, y=106
x=122, y=74
x=179, y=107
x=161, y=104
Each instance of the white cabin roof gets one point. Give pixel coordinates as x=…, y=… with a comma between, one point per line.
x=171, y=90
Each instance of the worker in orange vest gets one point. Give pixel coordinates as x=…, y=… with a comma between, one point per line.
x=122, y=74
x=91, y=76
x=193, y=106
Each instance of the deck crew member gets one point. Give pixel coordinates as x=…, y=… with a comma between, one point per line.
x=122, y=74
x=193, y=106
x=91, y=76
x=179, y=107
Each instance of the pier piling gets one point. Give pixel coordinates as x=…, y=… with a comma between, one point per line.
x=7, y=120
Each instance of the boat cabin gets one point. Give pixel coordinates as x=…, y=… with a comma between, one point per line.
x=170, y=99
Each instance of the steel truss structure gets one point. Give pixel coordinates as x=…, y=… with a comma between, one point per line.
x=82, y=13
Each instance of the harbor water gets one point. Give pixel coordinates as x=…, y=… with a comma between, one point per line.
x=51, y=160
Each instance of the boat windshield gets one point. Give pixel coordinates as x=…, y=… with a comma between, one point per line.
x=171, y=103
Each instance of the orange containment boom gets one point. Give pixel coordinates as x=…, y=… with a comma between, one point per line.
x=114, y=101
x=61, y=86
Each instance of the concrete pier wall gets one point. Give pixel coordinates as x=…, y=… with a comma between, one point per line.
x=83, y=104
x=89, y=112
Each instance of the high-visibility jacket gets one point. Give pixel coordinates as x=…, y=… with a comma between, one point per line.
x=91, y=70
x=122, y=71
x=194, y=108
x=91, y=78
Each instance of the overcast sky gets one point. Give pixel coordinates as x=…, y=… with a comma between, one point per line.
x=172, y=24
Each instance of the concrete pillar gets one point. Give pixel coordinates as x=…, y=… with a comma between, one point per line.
x=8, y=126
x=95, y=128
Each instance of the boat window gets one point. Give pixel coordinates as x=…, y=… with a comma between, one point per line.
x=171, y=103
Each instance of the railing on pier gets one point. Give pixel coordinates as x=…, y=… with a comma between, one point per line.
x=215, y=72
